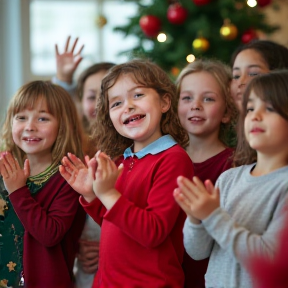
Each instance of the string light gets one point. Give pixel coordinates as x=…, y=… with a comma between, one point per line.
x=251, y=3
x=161, y=37
x=190, y=58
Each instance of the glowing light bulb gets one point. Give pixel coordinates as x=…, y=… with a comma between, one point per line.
x=190, y=58
x=161, y=37
x=251, y=3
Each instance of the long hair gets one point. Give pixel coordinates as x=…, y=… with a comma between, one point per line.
x=60, y=105
x=149, y=75
x=222, y=74
x=274, y=54
x=272, y=88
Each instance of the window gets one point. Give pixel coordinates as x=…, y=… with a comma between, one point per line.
x=52, y=22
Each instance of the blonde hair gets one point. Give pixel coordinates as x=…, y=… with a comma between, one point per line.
x=223, y=76
x=149, y=75
x=60, y=105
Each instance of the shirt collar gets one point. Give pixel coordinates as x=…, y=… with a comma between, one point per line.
x=161, y=144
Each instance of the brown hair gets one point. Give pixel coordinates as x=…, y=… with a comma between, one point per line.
x=149, y=75
x=272, y=88
x=222, y=74
x=60, y=105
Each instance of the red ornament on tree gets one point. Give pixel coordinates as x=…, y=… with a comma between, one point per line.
x=201, y=2
x=176, y=14
x=150, y=25
x=263, y=3
x=248, y=36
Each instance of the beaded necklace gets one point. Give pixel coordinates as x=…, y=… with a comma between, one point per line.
x=35, y=183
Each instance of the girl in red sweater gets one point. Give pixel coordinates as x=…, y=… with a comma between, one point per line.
x=208, y=113
x=41, y=219
x=141, y=224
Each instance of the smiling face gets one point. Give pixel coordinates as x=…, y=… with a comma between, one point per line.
x=136, y=111
x=91, y=92
x=35, y=130
x=201, y=106
x=248, y=64
x=265, y=129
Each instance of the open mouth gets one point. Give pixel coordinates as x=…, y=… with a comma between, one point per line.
x=31, y=139
x=195, y=119
x=134, y=118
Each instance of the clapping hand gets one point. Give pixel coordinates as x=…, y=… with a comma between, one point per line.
x=14, y=176
x=198, y=200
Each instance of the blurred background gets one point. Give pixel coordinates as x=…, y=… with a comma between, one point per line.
x=29, y=30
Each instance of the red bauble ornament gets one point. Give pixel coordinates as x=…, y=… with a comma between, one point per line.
x=201, y=2
x=263, y=3
x=176, y=14
x=150, y=25
x=248, y=36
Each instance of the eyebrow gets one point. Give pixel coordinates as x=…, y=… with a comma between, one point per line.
x=249, y=66
x=133, y=88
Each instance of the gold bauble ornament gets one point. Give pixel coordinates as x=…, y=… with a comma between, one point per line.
x=175, y=71
x=228, y=31
x=200, y=44
x=101, y=21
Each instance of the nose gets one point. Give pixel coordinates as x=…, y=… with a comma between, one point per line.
x=256, y=115
x=129, y=105
x=196, y=105
x=30, y=125
x=242, y=80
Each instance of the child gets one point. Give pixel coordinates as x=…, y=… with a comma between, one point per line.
x=141, y=225
x=208, y=113
x=86, y=92
x=42, y=219
x=256, y=57
x=249, y=212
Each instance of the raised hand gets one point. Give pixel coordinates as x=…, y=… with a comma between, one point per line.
x=67, y=62
x=106, y=176
x=14, y=176
x=78, y=175
x=196, y=199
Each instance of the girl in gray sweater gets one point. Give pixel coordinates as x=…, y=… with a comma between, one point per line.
x=247, y=214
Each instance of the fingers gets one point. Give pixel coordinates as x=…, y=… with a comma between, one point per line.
x=187, y=188
x=56, y=50
x=76, y=161
x=74, y=45
x=182, y=201
x=67, y=43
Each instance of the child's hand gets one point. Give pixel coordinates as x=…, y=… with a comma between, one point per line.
x=78, y=176
x=88, y=256
x=198, y=201
x=13, y=176
x=105, y=178
x=67, y=62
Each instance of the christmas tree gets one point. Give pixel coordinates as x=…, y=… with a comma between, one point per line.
x=200, y=28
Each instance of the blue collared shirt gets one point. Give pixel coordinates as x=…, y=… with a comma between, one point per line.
x=161, y=144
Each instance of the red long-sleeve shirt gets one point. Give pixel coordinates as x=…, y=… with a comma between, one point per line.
x=53, y=222
x=141, y=241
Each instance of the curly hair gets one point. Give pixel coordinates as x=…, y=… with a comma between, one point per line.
x=149, y=75
x=271, y=88
x=222, y=74
x=70, y=135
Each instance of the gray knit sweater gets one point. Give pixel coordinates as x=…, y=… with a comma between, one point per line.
x=247, y=222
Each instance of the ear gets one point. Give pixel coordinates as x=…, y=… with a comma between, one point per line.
x=165, y=103
x=226, y=118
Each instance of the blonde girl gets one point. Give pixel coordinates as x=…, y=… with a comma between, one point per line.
x=245, y=218
x=42, y=219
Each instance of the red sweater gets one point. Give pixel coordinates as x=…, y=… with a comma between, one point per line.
x=141, y=241
x=209, y=169
x=53, y=222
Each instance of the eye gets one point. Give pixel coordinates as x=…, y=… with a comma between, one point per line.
x=43, y=119
x=253, y=74
x=249, y=109
x=270, y=109
x=235, y=77
x=20, y=117
x=186, y=98
x=138, y=95
x=209, y=99
x=115, y=104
